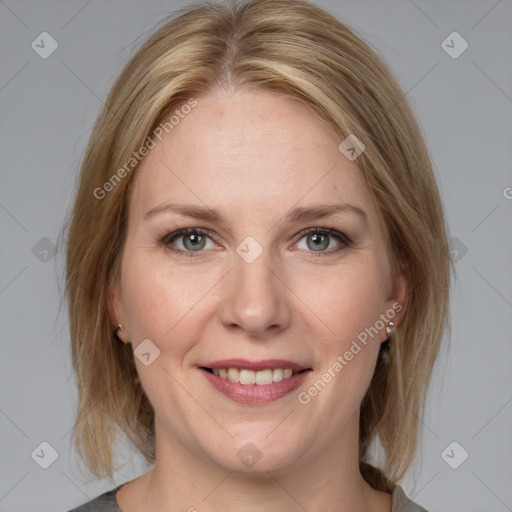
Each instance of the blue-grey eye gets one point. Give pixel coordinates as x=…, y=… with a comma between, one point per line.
x=192, y=240
x=318, y=240
x=195, y=242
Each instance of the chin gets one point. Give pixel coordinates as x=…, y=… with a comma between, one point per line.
x=256, y=456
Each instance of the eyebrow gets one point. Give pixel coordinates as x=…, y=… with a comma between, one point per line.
x=298, y=214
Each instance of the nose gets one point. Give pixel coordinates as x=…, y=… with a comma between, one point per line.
x=256, y=298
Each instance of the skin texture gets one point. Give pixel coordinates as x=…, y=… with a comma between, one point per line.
x=253, y=156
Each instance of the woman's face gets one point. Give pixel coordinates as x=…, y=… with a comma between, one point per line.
x=249, y=289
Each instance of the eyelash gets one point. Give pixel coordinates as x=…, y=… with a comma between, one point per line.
x=344, y=240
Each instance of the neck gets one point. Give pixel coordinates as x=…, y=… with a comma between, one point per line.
x=184, y=479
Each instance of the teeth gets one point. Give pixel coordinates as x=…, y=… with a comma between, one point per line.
x=247, y=377
x=234, y=374
x=278, y=375
x=262, y=377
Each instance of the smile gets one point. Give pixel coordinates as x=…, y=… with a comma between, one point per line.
x=260, y=378
x=255, y=382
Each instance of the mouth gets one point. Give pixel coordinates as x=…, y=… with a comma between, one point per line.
x=252, y=382
x=259, y=378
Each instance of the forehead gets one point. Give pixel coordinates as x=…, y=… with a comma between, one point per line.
x=252, y=151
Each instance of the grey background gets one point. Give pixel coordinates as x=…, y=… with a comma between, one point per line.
x=465, y=108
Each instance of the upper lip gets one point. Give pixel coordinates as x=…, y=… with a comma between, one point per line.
x=264, y=364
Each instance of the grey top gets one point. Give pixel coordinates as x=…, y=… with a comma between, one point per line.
x=107, y=503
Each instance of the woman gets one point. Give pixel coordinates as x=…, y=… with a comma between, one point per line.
x=257, y=270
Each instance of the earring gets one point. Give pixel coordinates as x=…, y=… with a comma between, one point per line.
x=119, y=327
x=389, y=328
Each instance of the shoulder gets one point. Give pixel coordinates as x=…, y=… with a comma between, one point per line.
x=401, y=503
x=106, y=502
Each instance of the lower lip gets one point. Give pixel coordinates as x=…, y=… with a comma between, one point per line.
x=255, y=393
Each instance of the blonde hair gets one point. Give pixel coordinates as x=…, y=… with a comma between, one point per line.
x=298, y=51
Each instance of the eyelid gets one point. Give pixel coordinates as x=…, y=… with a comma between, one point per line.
x=341, y=237
x=184, y=231
x=344, y=238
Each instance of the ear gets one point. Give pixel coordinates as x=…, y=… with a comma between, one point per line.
x=116, y=310
x=396, y=303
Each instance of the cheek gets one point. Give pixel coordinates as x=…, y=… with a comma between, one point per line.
x=348, y=305
x=167, y=302
x=163, y=304
x=345, y=301
x=160, y=299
